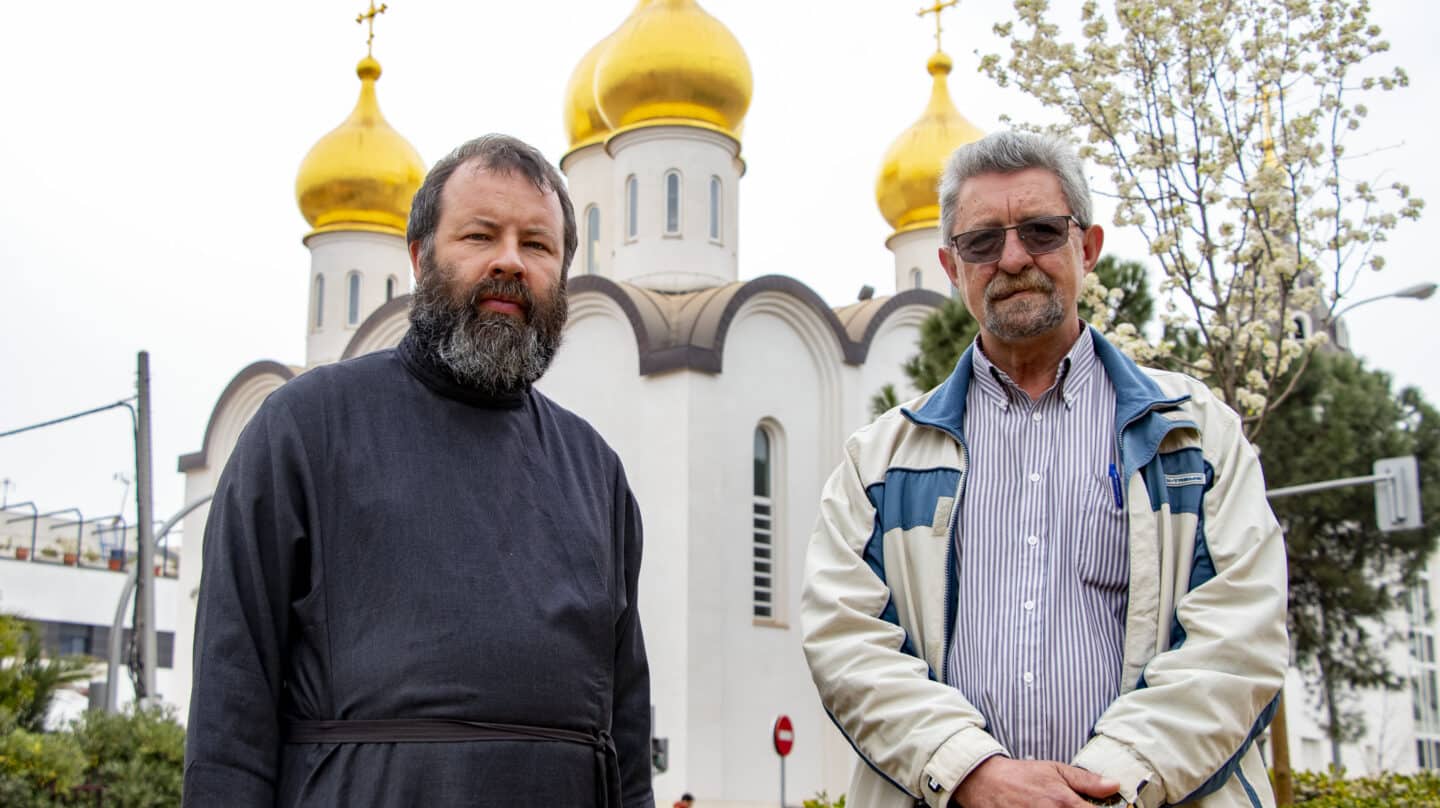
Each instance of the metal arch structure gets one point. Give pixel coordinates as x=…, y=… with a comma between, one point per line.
x=117, y=628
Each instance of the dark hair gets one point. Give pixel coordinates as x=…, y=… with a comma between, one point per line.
x=499, y=153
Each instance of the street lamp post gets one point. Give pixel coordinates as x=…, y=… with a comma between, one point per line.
x=1418, y=291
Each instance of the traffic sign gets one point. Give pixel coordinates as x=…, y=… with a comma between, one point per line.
x=784, y=735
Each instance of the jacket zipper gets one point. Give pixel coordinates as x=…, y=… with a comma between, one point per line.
x=951, y=574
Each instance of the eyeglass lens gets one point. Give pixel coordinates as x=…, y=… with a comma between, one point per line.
x=1038, y=236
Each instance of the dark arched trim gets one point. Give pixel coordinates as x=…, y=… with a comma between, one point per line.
x=377, y=318
x=265, y=367
x=784, y=285
x=687, y=330
x=909, y=297
x=582, y=284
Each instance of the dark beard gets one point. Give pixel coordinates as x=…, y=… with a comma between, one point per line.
x=493, y=352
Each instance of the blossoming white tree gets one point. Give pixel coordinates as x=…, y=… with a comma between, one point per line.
x=1222, y=125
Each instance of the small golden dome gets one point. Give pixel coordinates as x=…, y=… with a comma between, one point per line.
x=583, y=122
x=671, y=62
x=363, y=174
x=908, y=188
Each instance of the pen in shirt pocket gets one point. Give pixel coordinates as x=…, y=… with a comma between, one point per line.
x=1115, y=486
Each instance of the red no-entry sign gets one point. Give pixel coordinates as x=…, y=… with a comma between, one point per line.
x=784, y=735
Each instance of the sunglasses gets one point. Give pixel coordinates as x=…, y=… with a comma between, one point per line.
x=1038, y=236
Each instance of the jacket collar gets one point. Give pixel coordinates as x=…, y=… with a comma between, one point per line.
x=1135, y=392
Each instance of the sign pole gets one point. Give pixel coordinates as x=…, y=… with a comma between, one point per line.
x=783, y=736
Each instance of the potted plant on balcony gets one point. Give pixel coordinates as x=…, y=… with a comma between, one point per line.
x=91, y=557
x=117, y=559
x=67, y=550
x=49, y=552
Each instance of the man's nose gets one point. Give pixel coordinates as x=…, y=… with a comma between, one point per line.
x=506, y=262
x=1014, y=258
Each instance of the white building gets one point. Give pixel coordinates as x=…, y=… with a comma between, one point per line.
x=727, y=399
x=66, y=574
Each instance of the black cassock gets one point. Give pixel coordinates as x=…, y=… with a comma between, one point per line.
x=386, y=544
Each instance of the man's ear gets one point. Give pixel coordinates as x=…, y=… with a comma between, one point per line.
x=1093, y=240
x=415, y=260
x=947, y=261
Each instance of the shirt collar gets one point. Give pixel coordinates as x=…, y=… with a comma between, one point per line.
x=1076, y=367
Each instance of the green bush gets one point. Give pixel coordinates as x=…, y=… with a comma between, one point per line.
x=822, y=800
x=39, y=770
x=135, y=759
x=137, y=756
x=1333, y=790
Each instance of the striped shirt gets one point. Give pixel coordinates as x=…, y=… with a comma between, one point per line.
x=1042, y=555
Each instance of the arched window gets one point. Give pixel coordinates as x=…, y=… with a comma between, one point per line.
x=389, y=288
x=714, y=208
x=632, y=207
x=592, y=239
x=763, y=544
x=672, y=203
x=352, y=299
x=917, y=280
x=319, y=301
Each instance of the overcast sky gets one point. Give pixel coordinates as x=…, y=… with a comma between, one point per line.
x=148, y=156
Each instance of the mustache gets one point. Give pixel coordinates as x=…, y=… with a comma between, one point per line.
x=504, y=288
x=1031, y=280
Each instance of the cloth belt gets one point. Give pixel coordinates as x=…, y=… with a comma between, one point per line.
x=448, y=730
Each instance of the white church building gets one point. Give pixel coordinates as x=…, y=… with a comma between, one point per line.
x=727, y=399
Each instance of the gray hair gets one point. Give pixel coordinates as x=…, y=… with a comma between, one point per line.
x=499, y=153
x=1006, y=153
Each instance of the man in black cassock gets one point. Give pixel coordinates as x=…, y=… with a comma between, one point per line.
x=420, y=573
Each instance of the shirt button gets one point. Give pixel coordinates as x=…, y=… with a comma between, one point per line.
x=1034, y=476
x=1029, y=605
x=1037, y=416
x=1032, y=540
x=1029, y=678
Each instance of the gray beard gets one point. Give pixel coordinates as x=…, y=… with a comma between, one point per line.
x=1023, y=320
x=496, y=353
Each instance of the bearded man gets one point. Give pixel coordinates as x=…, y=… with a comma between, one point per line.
x=1053, y=581
x=420, y=573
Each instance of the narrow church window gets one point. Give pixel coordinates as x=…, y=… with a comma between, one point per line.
x=763, y=535
x=389, y=288
x=632, y=207
x=714, y=208
x=352, y=300
x=672, y=203
x=592, y=239
x=319, y=301
x=917, y=280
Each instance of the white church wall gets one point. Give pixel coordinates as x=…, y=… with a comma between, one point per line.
x=688, y=259
x=589, y=177
x=782, y=368
x=894, y=343
x=596, y=374
x=916, y=252
x=372, y=258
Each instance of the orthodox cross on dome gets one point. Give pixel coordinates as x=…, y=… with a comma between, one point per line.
x=369, y=17
x=1267, y=143
x=936, y=9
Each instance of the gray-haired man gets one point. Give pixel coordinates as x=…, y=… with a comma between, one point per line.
x=1053, y=580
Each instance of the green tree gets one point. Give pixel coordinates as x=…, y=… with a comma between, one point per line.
x=1346, y=575
x=1222, y=127
x=946, y=333
x=28, y=679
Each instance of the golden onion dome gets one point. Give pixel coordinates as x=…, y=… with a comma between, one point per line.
x=362, y=175
x=908, y=188
x=671, y=62
x=583, y=122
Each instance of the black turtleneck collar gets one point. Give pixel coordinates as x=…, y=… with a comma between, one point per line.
x=442, y=382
